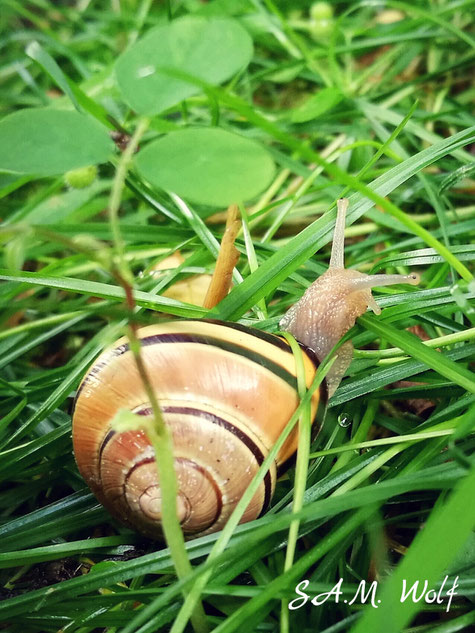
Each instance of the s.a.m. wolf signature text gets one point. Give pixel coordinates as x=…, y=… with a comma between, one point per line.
x=366, y=593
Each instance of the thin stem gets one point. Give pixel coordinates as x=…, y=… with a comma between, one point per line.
x=338, y=247
x=158, y=432
x=117, y=188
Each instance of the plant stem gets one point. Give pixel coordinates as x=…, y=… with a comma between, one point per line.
x=118, y=187
x=157, y=431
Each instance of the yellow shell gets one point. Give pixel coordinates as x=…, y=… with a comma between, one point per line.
x=227, y=392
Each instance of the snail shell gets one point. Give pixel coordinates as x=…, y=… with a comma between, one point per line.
x=225, y=390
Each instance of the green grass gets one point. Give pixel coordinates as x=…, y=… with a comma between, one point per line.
x=388, y=490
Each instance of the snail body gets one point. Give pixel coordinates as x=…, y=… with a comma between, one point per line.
x=226, y=391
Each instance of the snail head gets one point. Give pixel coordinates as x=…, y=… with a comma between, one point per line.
x=331, y=305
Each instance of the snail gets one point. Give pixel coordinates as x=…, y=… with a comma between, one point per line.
x=226, y=390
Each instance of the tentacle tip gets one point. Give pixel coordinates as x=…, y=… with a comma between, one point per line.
x=343, y=202
x=413, y=279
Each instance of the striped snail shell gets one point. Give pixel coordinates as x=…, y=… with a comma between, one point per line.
x=226, y=391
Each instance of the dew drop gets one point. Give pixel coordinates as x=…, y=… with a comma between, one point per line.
x=344, y=420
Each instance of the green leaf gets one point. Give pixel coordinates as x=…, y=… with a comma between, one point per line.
x=212, y=50
x=207, y=165
x=317, y=104
x=45, y=142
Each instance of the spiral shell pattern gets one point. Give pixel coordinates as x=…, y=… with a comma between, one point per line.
x=226, y=391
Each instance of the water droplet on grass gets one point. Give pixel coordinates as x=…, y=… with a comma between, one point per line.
x=344, y=420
